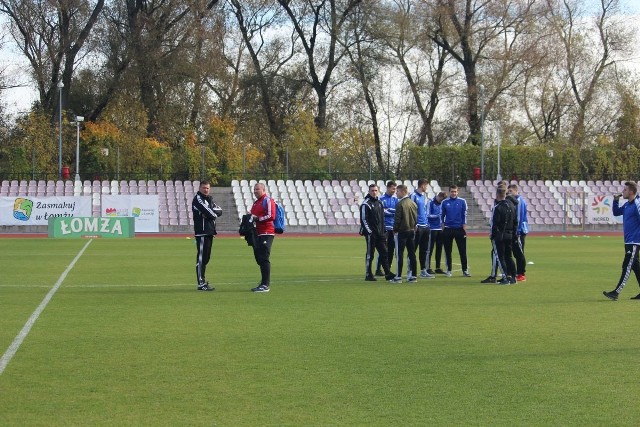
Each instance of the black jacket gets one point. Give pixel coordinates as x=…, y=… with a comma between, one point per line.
x=503, y=221
x=515, y=202
x=372, y=217
x=205, y=212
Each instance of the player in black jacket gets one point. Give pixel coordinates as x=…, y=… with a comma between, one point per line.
x=504, y=224
x=205, y=212
x=373, y=230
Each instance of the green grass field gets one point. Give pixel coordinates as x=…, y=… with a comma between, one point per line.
x=127, y=340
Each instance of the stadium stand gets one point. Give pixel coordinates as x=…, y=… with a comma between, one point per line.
x=549, y=202
x=315, y=204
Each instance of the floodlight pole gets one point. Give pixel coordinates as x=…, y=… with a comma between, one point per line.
x=499, y=176
x=60, y=86
x=481, y=91
x=202, y=148
x=78, y=120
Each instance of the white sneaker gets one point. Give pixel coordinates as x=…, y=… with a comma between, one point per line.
x=424, y=274
x=447, y=274
x=466, y=273
x=412, y=279
x=396, y=280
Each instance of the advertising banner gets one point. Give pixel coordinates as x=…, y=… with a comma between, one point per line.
x=91, y=227
x=600, y=210
x=27, y=210
x=144, y=209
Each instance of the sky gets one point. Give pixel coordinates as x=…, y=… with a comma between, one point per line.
x=18, y=100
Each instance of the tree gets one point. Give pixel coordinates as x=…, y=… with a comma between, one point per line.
x=122, y=130
x=276, y=91
x=365, y=64
x=627, y=129
x=319, y=26
x=51, y=35
x=482, y=32
x=30, y=149
x=262, y=18
x=160, y=37
x=589, y=51
x=400, y=30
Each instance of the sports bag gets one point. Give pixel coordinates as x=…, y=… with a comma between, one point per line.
x=280, y=221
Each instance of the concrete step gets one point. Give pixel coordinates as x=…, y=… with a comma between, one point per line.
x=476, y=220
x=223, y=196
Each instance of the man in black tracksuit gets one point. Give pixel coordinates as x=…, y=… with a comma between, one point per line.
x=504, y=223
x=205, y=212
x=373, y=230
x=495, y=262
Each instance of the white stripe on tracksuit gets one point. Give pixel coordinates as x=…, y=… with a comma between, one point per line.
x=369, y=256
x=496, y=262
x=199, y=263
x=627, y=271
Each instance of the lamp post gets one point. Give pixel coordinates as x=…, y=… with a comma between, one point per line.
x=78, y=120
x=244, y=160
x=60, y=86
x=481, y=92
x=499, y=135
x=287, y=160
x=202, y=167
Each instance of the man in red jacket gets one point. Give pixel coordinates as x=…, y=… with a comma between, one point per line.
x=263, y=213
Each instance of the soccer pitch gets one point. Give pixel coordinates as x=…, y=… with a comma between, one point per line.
x=127, y=340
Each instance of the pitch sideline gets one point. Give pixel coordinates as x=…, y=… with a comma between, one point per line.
x=17, y=342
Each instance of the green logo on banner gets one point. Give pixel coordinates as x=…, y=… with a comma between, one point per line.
x=88, y=227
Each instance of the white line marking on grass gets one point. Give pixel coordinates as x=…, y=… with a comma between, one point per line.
x=17, y=342
x=174, y=285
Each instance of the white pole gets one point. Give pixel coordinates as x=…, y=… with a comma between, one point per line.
x=481, y=90
x=78, y=120
x=499, y=136
x=60, y=86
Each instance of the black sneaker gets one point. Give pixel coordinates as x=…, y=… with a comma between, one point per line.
x=613, y=296
x=388, y=277
x=489, y=279
x=430, y=271
x=379, y=273
x=370, y=279
x=503, y=281
x=439, y=271
x=512, y=280
x=636, y=297
x=261, y=288
x=205, y=287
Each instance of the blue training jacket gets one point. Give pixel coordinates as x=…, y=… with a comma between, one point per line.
x=454, y=212
x=389, y=203
x=434, y=209
x=630, y=212
x=420, y=199
x=523, y=225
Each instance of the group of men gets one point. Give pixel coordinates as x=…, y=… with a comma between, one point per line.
x=509, y=227
x=398, y=220
x=263, y=214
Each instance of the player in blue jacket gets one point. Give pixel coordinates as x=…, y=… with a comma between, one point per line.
x=419, y=196
x=521, y=233
x=630, y=212
x=454, y=221
x=389, y=202
x=434, y=209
